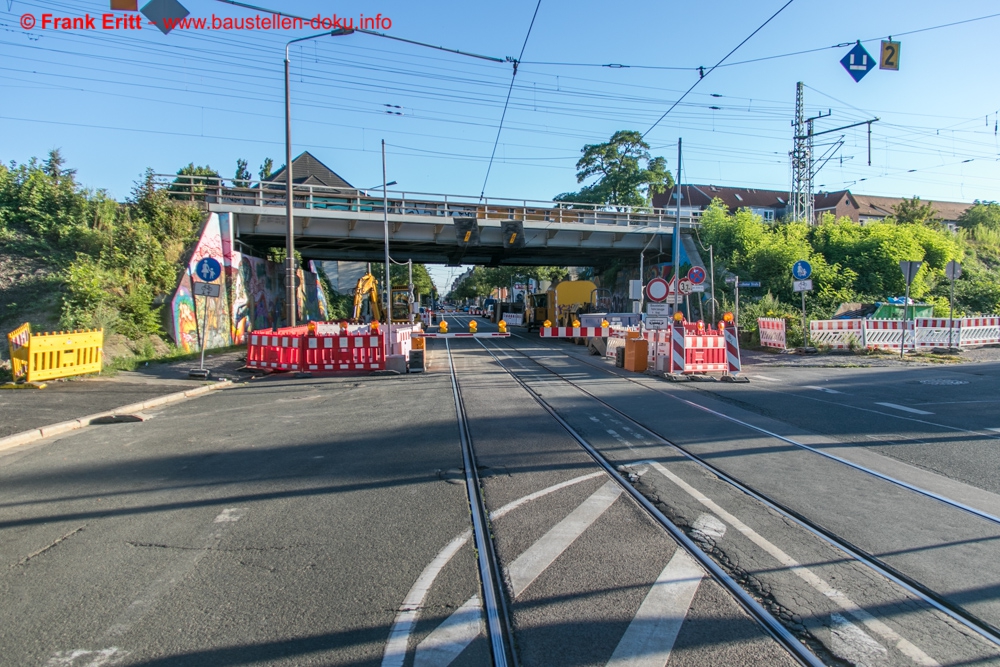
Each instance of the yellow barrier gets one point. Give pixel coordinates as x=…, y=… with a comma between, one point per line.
x=55, y=355
x=17, y=341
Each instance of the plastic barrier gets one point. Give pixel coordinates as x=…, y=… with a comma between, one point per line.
x=575, y=332
x=693, y=350
x=888, y=334
x=362, y=352
x=273, y=351
x=17, y=341
x=772, y=332
x=837, y=334
x=937, y=332
x=402, y=336
x=513, y=319
x=733, y=362
x=980, y=330
x=48, y=356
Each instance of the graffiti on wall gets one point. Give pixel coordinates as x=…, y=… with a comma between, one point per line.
x=252, y=295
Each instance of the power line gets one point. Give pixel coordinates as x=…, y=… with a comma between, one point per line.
x=503, y=115
x=724, y=58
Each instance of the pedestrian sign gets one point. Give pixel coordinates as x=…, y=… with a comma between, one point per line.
x=801, y=270
x=208, y=269
x=858, y=62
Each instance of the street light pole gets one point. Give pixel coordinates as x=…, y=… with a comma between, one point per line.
x=290, y=274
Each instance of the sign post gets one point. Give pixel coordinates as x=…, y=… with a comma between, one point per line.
x=953, y=271
x=801, y=271
x=209, y=270
x=909, y=270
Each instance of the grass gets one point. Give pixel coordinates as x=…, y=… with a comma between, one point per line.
x=175, y=355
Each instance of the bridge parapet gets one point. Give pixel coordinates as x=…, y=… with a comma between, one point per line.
x=230, y=195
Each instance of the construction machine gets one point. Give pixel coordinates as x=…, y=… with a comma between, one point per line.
x=370, y=309
x=560, y=305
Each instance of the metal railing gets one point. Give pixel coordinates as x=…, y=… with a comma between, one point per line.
x=272, y=194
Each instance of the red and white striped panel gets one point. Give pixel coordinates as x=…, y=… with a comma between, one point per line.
x=486, y=334
x=888, y=334
x=836, y=334
x=733, y=363
x=285, y=342
x=980, y=330
x=575, y=332
x=772, y=332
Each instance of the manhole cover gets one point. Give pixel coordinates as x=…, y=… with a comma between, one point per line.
x=941, y=381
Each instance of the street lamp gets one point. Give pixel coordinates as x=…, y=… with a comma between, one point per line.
x=290, y=274
x=289, y=199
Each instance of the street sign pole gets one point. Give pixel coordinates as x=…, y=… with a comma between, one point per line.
x=951, y=312
x=805, y=328
x=736, y=298
x=711, y=276
x=906, y=318
x=204, y=336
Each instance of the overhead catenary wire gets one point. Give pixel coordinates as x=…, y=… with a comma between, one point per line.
x=724, y=58
x=503, y=115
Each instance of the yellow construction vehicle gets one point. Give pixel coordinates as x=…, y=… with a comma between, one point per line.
x=366, y=311
x=561, y=304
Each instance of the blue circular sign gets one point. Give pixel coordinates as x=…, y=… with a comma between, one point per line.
x=208, y=270
x=696, y=275
x=801, y=270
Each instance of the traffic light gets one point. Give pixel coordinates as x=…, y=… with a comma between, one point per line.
x=467, y=231
x=513, y=234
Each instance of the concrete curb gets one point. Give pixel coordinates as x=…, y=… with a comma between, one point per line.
x=24, y=437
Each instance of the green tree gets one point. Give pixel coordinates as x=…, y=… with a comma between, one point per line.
x=981, y=213
x=266, y=169
x=242, y=177
x=626, y=173
x=913, y=211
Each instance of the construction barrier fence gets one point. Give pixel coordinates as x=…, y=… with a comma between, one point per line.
x=917, y=334
x=39, y=357
x=325, y=346
x=772, y=332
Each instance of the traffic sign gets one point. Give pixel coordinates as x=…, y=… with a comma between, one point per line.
x=697, y=288
x=890, y=55
x=909, y=270
x=801, y=270
x=696, y=275
x=802, y=286
x=748, y=283
x=685, y=286
x=858, y=62
x=208, y=269
x=657, y=322
x=953, y=270
x=731, y=279
x=207, y=289
x=657, y=290
x=658, y=309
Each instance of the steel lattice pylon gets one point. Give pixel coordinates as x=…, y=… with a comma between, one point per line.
x=801, y=155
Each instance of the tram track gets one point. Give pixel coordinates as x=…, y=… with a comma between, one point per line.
x=970, y=621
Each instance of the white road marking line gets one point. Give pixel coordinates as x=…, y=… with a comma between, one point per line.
x=995, y=430
x=846, y=604
x=399, y=636
x=853, y=645
x=904, y=408
x=768, y=378
x=231, y=515
x=709, y=526
x=105, y=656
x=650, y=636
x=402, y=626
x=896, y=438
x=823, y=389
x=530, y=564
x=448, y=640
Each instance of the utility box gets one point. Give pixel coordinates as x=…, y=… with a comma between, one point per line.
x=636, y=352
x=417, y=359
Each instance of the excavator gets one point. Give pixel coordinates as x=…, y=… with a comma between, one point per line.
x=366, y=311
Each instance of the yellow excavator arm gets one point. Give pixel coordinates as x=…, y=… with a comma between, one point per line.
x=367, y=286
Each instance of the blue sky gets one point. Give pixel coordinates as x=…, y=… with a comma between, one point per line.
x=118, y=102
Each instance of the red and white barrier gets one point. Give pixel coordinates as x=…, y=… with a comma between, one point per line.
x=343, y=353
x=917, y=334
x=772, y=332
x=487, y=334
x=733, y=363
x=575, y=332
x=837, y=334
x=980, y=330
x=694, y=351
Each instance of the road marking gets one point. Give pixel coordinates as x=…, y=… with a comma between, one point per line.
x=402, y=626
x=105, y=656
x=823, y=389
x=904, y=408
x=846, y=604
x=995, y=430
x=853, y=645
x=231, y=515
x=448, y=640
x=768, y=378
x=530, y=564
x=650, y=636
x=709, y=526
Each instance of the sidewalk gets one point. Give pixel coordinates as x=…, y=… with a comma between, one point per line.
x=60, y=401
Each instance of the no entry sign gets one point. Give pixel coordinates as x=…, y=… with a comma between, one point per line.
x=657, y=290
